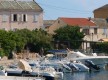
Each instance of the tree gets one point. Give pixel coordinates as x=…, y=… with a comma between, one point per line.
x=100, y=47
x=2, y=53
x=10, y=40
x=24, y=39
x=71, y=34
x=41, y=39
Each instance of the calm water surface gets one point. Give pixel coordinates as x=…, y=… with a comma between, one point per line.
x=99, y=75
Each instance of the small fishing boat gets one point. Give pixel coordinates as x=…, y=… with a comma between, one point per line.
x=46, y=71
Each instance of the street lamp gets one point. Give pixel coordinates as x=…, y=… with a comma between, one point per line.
x=57, y=44
x=92, y=36
x=92, y=42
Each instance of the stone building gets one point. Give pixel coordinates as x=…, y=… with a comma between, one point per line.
x=47, y=24
x=20, y=14
x=101, y=12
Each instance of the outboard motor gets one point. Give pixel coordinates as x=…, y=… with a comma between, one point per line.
x=91, y=65
x=73, y=67
x=67, y=67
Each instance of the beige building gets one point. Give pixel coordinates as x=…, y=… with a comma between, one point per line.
x=101, y=20
x=94, y=29
x=101, y=12
x=20, y=14
x=86, y=25
x=102, y=30
x=47, y=24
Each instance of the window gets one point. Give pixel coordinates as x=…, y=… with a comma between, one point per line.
x=24, y=17
x=86, y=31
x=5, y=17
x=35, y=17
x=58, y=21
x=14, y=17
x=95, y=30
x=107, y=20
x=104, y=31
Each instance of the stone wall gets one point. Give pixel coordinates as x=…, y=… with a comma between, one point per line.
x=101, y=13
x=26, y=56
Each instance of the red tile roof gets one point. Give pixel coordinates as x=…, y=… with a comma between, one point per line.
x=78, y=21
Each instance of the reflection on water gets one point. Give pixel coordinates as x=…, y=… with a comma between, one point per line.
x=100, y=75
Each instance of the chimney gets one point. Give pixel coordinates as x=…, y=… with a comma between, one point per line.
x=89, y=18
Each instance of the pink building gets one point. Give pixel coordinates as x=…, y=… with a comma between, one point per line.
x=20, y=14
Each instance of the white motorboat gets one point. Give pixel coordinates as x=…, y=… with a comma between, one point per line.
x=48, y=72
x=24, y=69
x=2, y=71
x=14, y=70
x=59, y=66
x=78, y=66
x=100, y=61
x=66, y=64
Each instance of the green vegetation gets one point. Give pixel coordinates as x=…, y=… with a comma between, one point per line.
x=101, y=47
x=71, y=34
x=36, y=40
x=23, y=39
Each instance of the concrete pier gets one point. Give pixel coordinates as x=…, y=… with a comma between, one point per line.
x=20, y=78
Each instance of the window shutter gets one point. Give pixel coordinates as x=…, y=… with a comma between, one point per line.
x=4, y=17
x=35, y=17
x=18, y=16
x=22, y=17
x=11, y=17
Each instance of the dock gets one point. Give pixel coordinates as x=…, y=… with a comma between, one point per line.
x=20, y=78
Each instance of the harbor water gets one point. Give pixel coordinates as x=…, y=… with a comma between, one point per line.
x=97, y=75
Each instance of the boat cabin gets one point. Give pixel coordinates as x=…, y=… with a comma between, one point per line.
x=59, y=54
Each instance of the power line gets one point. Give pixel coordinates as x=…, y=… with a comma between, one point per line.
x=48, y=8
x=48, y=16
x=64, y=12
x=65, y=9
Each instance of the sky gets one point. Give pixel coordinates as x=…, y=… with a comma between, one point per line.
x=69, y=8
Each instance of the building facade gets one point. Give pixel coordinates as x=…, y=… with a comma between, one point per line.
x=94, y=29
x=101, y=12
x=102, y=30
x=20, y=14
x=47, y=24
